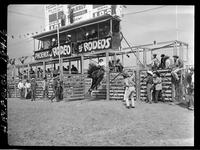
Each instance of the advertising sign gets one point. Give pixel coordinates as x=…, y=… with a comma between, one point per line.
x=95, y=45
x=42, y=54
x=81, y=12
x=65, y=50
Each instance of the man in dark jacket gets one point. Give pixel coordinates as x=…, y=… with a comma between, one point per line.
x=149, y=83
x=162, y=61
x=54, y=85
x=33, y=89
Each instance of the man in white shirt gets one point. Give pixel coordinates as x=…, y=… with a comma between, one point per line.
x=21, y=88
x=129, y=89
x=27, y=87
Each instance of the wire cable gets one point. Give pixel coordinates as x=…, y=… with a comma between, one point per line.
x=20, y=13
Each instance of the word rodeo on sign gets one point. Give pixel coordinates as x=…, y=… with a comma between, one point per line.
x=65, y=50
x=100, y=44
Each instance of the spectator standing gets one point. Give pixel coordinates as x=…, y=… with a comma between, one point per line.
x=54, y=85
x=27, y=88
x=158, y=85
x=150, y=87
x=129, y=89
x=33, y=89
x=21, y=87
x=45, y=88
x=59, y=92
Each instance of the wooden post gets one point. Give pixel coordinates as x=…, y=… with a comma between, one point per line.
x=69, y=66
x=145, y=57
x=82, y=64
x=28, y=72
x=77, y=63
x=115, y=62
x=107, y=77
x=44, y=68
x=138, y=77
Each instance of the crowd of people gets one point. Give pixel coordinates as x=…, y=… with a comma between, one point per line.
x=28, y=89
x=38, y=72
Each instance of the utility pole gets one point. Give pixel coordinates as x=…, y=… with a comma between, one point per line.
x=58, y=38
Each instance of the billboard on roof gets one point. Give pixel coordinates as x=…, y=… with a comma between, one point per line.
x=69, y=14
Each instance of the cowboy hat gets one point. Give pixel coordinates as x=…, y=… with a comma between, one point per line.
x=150, y=73
x=162, y=55
x=175, y=56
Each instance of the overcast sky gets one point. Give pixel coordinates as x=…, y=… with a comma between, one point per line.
x=138, y=28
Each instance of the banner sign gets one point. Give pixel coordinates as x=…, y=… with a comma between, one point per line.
x=65, y=51
x=95, y=45
x=42, y=54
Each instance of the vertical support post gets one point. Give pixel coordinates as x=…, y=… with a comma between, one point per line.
x=115, y=62
x=138, y=77
x=77, y=63
x=69, y=66
x=145, y=57
x=61, y=69
x=107, y=77
x=111, y=27
x=82, y=64
x=175, y=48
x=28, y=72
x=44, y=69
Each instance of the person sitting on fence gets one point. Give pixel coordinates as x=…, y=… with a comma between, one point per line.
x=27, y=89
x=178, y=66
x=155, y=62
x=119, y=66
x=33, y=89
x=45, y=88
x=157, y=81
x=21, y=88
x=129, y=89
x=74, y=70
x=150, y=87
x=162, y=62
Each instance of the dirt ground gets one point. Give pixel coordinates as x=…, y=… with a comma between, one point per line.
x=98, y=123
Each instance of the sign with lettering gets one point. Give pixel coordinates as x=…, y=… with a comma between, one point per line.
x=65, y=50
x=81, y=12
x=42, y=54
x=95, y=45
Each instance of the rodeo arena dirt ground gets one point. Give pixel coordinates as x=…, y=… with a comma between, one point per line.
x=98, y=123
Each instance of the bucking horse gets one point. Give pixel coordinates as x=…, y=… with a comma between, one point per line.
x=96, y=73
